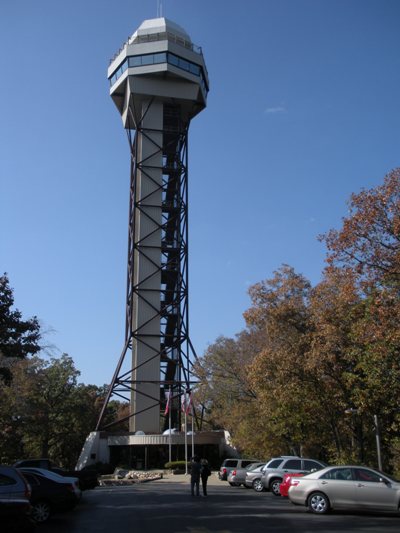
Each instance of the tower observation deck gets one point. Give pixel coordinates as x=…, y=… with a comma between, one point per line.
x=158, y=82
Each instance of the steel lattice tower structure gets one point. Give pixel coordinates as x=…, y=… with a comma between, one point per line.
x=159, y=82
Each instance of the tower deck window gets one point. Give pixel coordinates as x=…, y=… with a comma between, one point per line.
x=156, y=59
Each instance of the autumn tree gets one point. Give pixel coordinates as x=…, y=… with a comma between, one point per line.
x=335, y=307
x=286, y=392
x=368, y=244
x=321, y=363
x=369, y=240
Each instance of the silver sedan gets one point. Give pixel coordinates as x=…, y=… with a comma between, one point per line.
x=237, y=476
x=253, y=479
x=346, y=487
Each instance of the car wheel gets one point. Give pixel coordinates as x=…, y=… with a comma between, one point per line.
x=41, y=511
x=318, y=503
x=234, y=484
x=258, y=485
x=274, y=486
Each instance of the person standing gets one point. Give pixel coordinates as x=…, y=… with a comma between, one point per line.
x=195, y=475
x=205, y=473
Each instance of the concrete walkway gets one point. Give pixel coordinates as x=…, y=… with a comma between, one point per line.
x=183, y=478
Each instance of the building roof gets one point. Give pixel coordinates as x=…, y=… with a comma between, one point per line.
x=159, y=25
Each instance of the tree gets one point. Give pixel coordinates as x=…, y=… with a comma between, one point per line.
x=369, y=240
x=44, y=402
x=45, y=412
x=368, y=246
x=286, y=393
x=18, y=338
x=335, y=307
x=224, y=387
x=311, y=355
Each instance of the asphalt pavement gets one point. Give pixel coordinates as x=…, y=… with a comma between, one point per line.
x=166, y=506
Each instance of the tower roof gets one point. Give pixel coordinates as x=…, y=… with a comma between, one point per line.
x=159, y=25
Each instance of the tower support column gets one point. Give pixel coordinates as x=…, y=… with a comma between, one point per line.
x=145, y=396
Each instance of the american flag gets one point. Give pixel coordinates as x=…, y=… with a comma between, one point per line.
x=168, y=403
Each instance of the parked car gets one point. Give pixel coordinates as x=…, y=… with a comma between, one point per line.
x=253, y=479
x=237, y=476
x=15, y=506
x=49, y=496
x=55, y=477
x=284, y=486
x=230, y=464
x=276, y=468
x=88, y=478
x=346, y=487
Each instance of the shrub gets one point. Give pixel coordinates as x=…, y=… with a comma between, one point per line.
x=176, y=465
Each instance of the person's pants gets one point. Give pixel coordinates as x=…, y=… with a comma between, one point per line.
x=204, y=484
x=195, y=483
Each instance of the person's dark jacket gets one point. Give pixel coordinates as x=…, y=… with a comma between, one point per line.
x=195, y=471
x=205, y=471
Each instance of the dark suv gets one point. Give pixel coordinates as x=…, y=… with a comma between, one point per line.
x=275, y=469
x=15, y=507
x=230, y=464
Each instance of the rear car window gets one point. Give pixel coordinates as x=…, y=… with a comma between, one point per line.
x=230, y=463
x=341, y=474
x=246, y=463
x=311, y=465
x=293, y=464
x=5, y=480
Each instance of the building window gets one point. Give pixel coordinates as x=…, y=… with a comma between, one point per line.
x=156, y=59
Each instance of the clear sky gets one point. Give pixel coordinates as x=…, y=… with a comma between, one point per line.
x=303, y=109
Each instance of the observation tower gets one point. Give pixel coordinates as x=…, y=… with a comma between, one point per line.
x=158, y=83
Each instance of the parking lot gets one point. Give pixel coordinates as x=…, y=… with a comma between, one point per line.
x=167, y=506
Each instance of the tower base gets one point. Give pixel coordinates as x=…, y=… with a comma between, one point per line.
x=145, y=452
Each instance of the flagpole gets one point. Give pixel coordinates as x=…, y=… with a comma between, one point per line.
x=186, y=442
x=169, y=424
x=192, y=434
x=191, y=408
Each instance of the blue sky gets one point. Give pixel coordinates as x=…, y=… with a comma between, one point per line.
x=303, y=110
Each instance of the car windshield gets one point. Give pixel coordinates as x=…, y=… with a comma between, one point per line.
x=253, y=466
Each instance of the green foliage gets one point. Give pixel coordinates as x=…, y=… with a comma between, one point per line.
x=176, y=465
x=18, y=338
x=45, y=412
